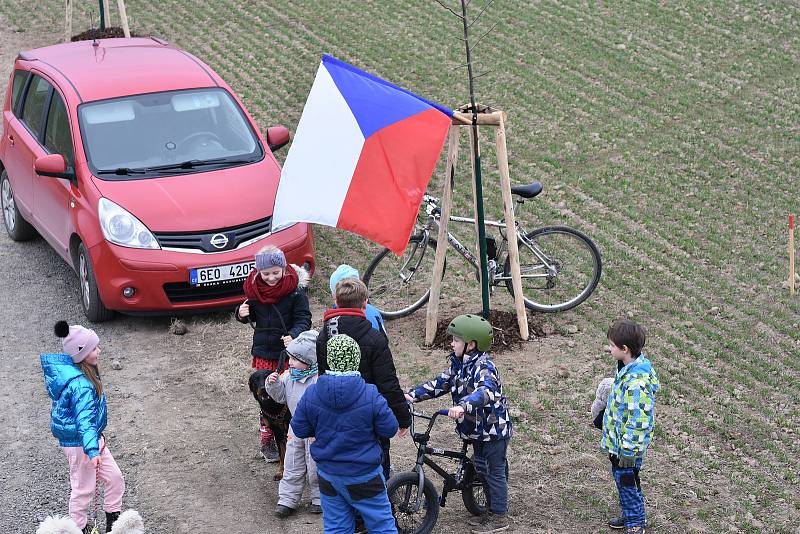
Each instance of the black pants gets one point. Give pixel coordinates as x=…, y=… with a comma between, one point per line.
x=386, y=461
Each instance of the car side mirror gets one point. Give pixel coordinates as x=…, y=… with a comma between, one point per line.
x=54, y=166
x=277, y=137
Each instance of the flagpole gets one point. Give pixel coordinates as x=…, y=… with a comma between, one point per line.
x=477, y=166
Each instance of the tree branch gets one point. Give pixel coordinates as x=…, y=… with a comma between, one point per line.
x=449, y=9
x=490, y=2
x=477, y=42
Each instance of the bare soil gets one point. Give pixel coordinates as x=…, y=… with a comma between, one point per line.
x=96, y=33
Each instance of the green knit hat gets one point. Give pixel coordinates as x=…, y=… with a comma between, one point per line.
x=344, y=353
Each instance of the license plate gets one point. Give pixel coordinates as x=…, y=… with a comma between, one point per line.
x=222, y=273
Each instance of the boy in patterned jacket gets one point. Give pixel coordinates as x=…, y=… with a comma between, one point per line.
x=628, y=420
x=481, y=410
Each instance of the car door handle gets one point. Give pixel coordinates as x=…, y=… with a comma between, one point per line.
x=11, y=139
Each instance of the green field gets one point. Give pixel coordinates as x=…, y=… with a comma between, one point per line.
x=667, y=131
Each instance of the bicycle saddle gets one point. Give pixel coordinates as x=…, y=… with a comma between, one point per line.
x=527, y=191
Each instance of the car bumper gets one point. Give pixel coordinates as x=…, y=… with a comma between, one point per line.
x=160, y=278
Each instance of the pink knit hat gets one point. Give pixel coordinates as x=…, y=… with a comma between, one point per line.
x=78, y=341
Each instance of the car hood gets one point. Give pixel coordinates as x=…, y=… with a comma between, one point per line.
x=198, y=201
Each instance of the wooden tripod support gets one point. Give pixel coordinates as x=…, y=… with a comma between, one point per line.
x=460, y=119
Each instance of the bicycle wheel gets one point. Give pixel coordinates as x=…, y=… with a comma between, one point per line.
x=473, y=492
x=560, y=268
x=402, y=491
x=399, y=286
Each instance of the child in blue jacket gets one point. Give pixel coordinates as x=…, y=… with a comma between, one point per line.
x=344, y=272
x=78, y=418
x=474, y=383
x=346, y=416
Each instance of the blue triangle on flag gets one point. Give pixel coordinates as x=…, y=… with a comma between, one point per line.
x=375, y=103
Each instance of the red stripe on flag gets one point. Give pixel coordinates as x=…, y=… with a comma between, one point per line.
x=391, y=175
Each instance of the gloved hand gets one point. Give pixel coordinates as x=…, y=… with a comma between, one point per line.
x=626, y=462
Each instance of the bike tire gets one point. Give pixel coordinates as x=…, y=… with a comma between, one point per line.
x=402, y=491
x=473, y=491
x=579, y=269
x=388, y=292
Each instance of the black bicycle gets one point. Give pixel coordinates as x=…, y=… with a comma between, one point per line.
x=415, y=501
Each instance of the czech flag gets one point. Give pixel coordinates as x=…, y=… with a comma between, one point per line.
x=362, y=156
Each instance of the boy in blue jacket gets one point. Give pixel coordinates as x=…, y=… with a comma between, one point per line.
x=474, y=383
x=346, y=416
x=344, y=272
x=628, y=420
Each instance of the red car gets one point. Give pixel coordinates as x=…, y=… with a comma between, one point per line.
x=143, y=170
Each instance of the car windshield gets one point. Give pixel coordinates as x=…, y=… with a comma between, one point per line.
x=169, y=132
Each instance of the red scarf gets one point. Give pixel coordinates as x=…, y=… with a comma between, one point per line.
x=334, y=312
x=256, y=288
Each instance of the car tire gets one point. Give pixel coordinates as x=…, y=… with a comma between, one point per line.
x=91, y=303
x=17, y=227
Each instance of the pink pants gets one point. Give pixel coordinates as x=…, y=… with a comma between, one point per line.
x=82, y=481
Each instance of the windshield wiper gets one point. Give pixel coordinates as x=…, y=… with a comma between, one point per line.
x=194, y=163
x=121, y=171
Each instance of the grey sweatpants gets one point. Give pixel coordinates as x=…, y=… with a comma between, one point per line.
x=297, y=467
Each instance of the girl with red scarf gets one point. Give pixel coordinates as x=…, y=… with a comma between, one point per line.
x=277, y=309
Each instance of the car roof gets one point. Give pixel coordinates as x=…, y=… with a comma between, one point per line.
x=109, y=68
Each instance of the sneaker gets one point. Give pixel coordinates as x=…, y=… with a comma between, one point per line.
x=634, y=530
x=283, y=511
x=493, y=523
x=269, y=451
x=315, y=508
x=617, y=523
x=478, y=520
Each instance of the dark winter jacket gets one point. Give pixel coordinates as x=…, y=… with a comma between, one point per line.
x=474, y=385
x=377, y=365
x=77, y=417
x=346, y=416
x=289, y=316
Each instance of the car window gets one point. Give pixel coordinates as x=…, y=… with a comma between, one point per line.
x=16, y=87
x=57, y=137
x=167, y=128
x=35, y=101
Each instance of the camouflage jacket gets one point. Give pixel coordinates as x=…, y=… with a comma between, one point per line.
x=475, y=385
x=629, y=418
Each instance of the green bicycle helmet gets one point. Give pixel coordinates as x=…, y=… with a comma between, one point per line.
x=472, y=328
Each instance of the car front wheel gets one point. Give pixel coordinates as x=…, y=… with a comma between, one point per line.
x=18, y=228
x=93, y=307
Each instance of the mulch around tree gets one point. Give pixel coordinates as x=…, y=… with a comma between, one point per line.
x=506, y=331
x=95, y=33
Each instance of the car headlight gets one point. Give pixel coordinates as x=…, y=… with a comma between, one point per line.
x=122, y=228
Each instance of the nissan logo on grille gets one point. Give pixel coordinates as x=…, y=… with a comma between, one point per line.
x=219, y=241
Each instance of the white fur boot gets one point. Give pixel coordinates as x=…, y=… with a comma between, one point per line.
x=129, y=522
x=58, y=525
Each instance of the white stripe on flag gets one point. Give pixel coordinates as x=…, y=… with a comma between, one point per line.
x=321, y=160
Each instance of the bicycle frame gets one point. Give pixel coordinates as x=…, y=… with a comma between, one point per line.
x=547, y=266
x=423, y=458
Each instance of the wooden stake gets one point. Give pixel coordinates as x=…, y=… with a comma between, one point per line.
x=513, y=249
x=124, y=18
x=791, y=255
x=432, y=313
x=67, y=20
